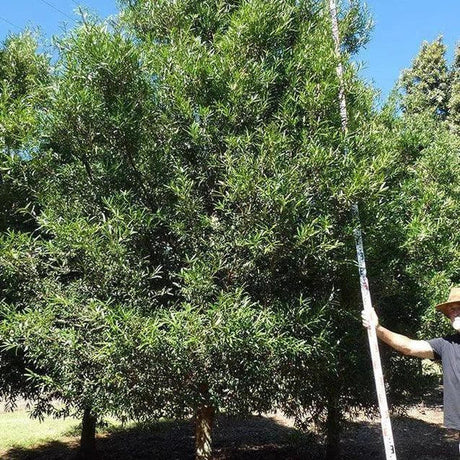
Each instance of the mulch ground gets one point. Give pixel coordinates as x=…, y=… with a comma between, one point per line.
x=418, y=436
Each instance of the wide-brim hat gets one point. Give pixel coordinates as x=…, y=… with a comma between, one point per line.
x=454, y=298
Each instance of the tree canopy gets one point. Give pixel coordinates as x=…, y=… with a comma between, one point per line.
x=178, y=236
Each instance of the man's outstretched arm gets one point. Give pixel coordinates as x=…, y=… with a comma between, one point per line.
x=401, y=343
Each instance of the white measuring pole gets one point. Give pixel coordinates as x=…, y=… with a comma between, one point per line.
x=387, y=431
x=373, y=344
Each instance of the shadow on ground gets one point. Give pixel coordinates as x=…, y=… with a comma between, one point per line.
x=256, y=438
x=414, y=440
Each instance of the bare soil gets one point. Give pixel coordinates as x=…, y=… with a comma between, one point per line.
x=418, y=434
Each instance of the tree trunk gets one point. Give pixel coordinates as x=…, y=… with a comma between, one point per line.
x=333, y=428
x=203, y=432
x=88, y=436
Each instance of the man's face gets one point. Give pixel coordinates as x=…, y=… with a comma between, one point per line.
x=453, y=313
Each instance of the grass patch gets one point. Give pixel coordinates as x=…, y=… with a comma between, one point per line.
x=17, y=429
x=255, y=438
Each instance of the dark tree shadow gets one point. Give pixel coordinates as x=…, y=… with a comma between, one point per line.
x=256, y=438
x=53, y=450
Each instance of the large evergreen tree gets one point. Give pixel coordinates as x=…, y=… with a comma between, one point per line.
x=414, y=248
x=454, y=101
x=24, y=75
x=250, y=97
x=427, y=137
x=428, y=143
x=190, y=243
x=212, y=150
x=426, y=83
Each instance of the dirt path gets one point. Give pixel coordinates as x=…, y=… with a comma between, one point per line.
x=419, y=435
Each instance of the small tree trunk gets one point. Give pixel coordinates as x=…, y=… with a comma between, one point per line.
x=203, y=432
x=88, y=436
x=333, y=426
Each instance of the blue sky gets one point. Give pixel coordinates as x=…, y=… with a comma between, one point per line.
x=400, y=28
x=50, y=15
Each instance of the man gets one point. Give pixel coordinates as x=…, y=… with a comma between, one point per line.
x=446, y=349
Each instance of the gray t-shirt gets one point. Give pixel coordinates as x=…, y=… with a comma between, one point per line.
x=447, y=349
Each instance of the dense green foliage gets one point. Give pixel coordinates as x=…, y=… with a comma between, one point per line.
x=430, y=198
x=426, y=82
x=24, y=75
x=454, y=101
x=185, y=236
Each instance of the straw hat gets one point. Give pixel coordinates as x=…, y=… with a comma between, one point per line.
x=454, y=298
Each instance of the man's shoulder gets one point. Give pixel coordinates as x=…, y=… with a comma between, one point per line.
x=452, y=338
x=445, y=346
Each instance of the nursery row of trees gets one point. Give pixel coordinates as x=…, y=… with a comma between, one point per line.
x=175, y=227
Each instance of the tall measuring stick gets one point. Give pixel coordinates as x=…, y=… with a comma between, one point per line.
x=365, y=291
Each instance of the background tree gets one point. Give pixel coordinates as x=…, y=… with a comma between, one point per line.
x=430, y=146
x=454, y=101
x=24, y=75
x=414, y=237
x=426, y=83
x=430, y=197
x=81, y=255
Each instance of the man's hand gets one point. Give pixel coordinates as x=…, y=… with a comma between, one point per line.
x=370, y=318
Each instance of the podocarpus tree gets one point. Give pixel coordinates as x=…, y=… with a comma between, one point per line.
x=262, y=182
x=231, y=346
x=426, y=139
x=426, y=83
x=24, y=75
x=104, y=225
x=219, y=130
x=454, y=100
x=208, y=145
